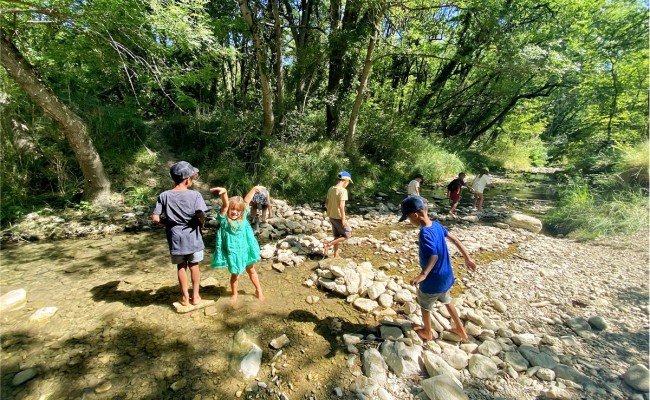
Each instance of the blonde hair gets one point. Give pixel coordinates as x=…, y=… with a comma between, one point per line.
x=236, y=203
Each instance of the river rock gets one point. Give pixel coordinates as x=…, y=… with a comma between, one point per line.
x=375, y=290
x=13, y=300
x=386, y=300
x=436, y=365
x=249, y=353
x=581, y=327
x=374, y=365
x=598, y=322
x=280, y=342
x=443, y=387
x=403, y=296
x=637, y=377
x=523, y=221
x=43, y=314
x=489, y=348
x=390, y=332
x=516, y=360
x=23, y=376
x=556, y=393
x=537, y=358
x=482, y=367
x=545, y=374
x=365, y=305
x=455, y=357
x=402, y=359
x=571, y=374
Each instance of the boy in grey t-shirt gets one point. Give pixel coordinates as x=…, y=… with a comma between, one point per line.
x=184, y=216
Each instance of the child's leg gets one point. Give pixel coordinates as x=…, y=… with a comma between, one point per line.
x=256, y=281
x=480, y=201
x=265, y=213
x=475, y=200
x=425, y=332
x=458, y=329
x=335, y=244
x=453, y=208
x=195, y=272
x=182, y=280
x=234, y=279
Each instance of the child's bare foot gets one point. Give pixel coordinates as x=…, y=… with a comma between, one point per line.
x=260, y=296
x=337, y=253
x=460, y=332
x=196, y=300
x=233, y=300
x=424, y=335
x=184, y=301
x=326, y=249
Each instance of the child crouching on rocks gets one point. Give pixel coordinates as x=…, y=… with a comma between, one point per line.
x=437, y=277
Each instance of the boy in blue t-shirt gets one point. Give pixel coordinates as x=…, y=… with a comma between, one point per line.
x=437, y=275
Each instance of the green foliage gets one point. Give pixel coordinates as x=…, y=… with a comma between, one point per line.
x=591, y=211
x=633, y=164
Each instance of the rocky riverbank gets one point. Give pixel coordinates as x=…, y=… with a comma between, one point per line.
x=547, y=317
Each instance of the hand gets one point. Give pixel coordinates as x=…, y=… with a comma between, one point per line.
x=344, y=222
x=418, y=279
x=219, y=190
x=470, y=264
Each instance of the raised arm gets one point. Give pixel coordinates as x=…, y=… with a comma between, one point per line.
x=223, y=194
x=251, y=193
x=469, y=262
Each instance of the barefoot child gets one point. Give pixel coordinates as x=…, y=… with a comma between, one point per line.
x=184, y=216
x=437, y=275
x=236, y=246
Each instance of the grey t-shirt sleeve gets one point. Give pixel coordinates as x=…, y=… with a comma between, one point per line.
x=159, y=207
x=200, y=203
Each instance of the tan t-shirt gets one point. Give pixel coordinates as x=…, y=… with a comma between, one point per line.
x=335, y=195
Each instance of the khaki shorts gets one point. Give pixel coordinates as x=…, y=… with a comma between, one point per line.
x=339, y=230
x=427, y=301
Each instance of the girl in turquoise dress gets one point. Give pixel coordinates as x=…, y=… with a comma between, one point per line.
x=236, y=246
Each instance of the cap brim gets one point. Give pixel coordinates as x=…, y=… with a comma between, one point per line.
x=403, y=218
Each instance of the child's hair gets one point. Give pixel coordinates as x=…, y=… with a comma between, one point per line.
x=238, y=204
x=461, y=174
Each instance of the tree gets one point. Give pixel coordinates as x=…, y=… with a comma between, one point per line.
x=96, y=183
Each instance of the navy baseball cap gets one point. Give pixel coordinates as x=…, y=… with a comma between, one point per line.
x=410, y=205
x=182, y=170
x=345, y=175
x=420, y=176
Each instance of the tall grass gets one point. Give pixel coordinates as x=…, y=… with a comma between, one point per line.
x=633, y=165
x=585, y=212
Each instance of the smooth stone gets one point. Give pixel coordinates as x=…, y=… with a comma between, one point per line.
x=13, y=299
x=443, y=387
x=280, y=342
x=637, y=377
x=598, y=323
x=390, y=332
x=43, y=314
x=482, y=367
x=23, y=376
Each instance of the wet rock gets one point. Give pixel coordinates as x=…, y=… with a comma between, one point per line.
x=442, y=387
x=23, y=376
x=43, y=313
x=638, y=378
x=249, y=354
x=13, y=300
x=280, y=342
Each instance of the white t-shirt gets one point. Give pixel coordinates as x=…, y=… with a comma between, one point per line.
x=480, y=183
x=412, y=187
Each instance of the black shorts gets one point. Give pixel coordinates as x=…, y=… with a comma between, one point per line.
x=339, y=230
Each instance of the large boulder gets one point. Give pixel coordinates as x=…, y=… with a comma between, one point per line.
x=516, y=220
x=443, y=387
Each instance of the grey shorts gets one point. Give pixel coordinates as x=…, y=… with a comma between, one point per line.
x=339, y=230
x=427, y=301
x=190, y=258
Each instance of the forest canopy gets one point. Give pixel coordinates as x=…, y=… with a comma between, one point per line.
x=290, y=91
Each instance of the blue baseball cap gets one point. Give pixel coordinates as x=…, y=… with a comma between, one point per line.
x=410, y=205
x=345, y=175
x=182, y=170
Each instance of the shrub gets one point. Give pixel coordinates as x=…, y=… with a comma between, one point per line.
x=633, y=165
x=587, y=212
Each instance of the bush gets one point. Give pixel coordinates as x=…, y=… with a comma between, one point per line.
x=633, y=165
x=587, y=212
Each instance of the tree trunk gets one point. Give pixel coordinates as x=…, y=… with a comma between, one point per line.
x=97, y=187
x=267, y=94
x=279, y=79
x=349, y=147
